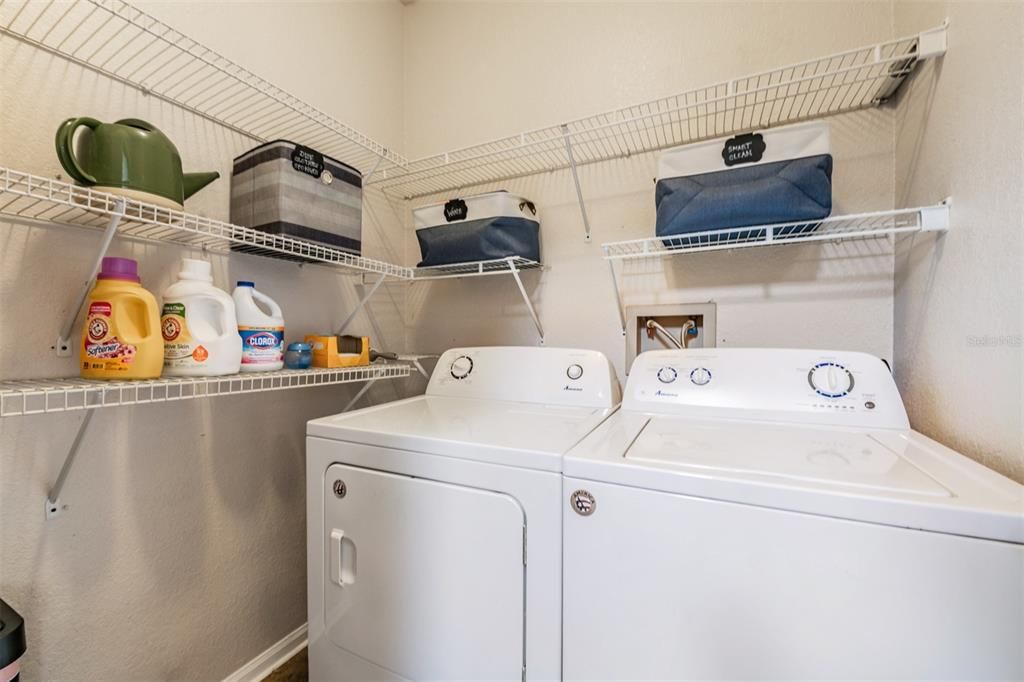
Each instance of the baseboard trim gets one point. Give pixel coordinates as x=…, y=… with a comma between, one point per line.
x=264, y=664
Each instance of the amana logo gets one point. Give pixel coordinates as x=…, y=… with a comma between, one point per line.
x=666, y=394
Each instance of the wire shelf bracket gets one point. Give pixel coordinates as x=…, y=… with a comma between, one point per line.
x=576, y=182
x=619, y=304
x=512, y=265
x=54, y=507
x=417, y=361
x=63, y=345
x=526, y=299
x=362, y=304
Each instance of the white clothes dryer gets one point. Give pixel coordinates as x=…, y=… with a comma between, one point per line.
x=770, y=514
x=434, y=523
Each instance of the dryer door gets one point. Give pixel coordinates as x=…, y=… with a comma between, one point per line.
x=424, y=580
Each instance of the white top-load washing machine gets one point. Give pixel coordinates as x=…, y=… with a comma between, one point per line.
x=769, y=514
x=435, y=523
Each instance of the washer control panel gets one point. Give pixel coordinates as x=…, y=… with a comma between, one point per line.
x=551, y=376
x=823, y=387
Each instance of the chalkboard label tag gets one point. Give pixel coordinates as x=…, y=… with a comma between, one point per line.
x=746, y=148
x=455, y=209
x=308, y=161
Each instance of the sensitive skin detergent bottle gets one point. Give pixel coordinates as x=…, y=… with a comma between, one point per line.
x=262, y=333
x=121, y=339
x=199, y=327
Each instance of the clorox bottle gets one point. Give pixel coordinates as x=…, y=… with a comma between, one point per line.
x=121, y=339
x=262, y=333
x=199, y=326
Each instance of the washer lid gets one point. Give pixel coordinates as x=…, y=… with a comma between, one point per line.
x=850, y=459
x=888, y=476
x=517, y=434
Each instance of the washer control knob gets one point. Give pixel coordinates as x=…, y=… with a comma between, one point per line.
x=667, y=375
x=830, y=379
x=462, y=366
x=700, y=376
x=574, y=372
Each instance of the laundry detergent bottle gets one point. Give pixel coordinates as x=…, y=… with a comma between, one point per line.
x=199, y=326
x=121, y=339
x=262, y=332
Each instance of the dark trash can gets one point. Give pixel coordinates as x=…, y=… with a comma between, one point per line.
x=12, y=643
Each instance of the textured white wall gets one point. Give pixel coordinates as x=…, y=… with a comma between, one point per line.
x=476, y=71
x=960, y=297
x=182, y=554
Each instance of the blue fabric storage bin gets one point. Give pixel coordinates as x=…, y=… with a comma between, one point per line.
x=482, y=227
x=758, y=188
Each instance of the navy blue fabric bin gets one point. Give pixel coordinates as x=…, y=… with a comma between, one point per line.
x=475, y=240
x=477, y=228
x=781, y=175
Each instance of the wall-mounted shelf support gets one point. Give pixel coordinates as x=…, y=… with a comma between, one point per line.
x=936, y=218
x=376, y=166
x=576, y=181
x=526, y=298
x=618, y=297
x=53, y=504
x=932, y=43
x=362, y=303
x=63, y=345
x=415, y=360
x=359, y=394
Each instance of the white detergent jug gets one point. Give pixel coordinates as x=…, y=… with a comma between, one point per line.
x=198, y=325
x=262, y=334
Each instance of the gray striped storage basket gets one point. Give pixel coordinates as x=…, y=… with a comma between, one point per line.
x=284, y=188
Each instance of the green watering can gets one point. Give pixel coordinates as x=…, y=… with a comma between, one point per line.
x=130, y=158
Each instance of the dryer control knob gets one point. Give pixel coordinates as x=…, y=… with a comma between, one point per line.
x=574, y=372
x=830, y=379
x=667, y=375
x=700, y=376
x=461, y=367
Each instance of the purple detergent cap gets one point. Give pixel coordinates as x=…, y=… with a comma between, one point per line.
x=119, y=268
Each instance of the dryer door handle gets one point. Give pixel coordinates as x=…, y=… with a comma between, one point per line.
x=343, y=559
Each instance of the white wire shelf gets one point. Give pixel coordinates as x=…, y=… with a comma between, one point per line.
x=34, y=199
x=832, y=229
x=837, y=83
x=497, y=266
x=43, y=396
x=124, y=43
x=31, y=197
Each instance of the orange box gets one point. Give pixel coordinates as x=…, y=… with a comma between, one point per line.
x=333, y=352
